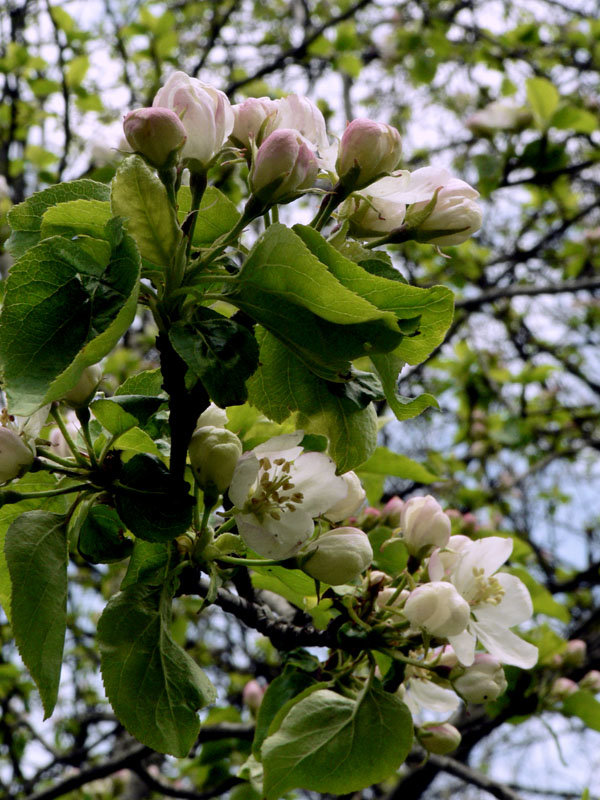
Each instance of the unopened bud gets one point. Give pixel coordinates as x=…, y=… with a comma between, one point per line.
x=591, y=681
x=563, y=688
x=439, y=737
x=252, y=695
x=214, y=453
x=386, y=597
x=438, y=608
x=214, y=416
x=391, y=512
x=351, y=502
x=284, y=166
x=368, y=150
x=424, y=525
x=482, y=682
x=249, y=119
x=575, y=653
x=85, y=388
x=15, y=456
x=337, y=556
x=155, y=133
x=454, y=218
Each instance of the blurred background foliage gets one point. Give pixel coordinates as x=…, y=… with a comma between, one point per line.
x=515, y=445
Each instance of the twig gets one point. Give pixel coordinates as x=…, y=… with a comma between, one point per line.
x=185, y=794
x=499, y=293
x=459, y=770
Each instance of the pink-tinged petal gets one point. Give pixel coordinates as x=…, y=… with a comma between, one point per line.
x=488, y=554
x=244, y=478
x=277, y=539
x=314, y=475
x=505, y=645
x=433, y=697
x=514, y=608
x=464, y=647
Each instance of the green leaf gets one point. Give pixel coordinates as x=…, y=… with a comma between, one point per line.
x=220, y=352
x=112, y=416
x=389, y=553
x=148, y=382
x=434, y=306
x=283, y=384
x=584, y=705
x=386, y=463
x=101, y=539
x=284, y=688
x=543, y=99
x=293, y=584
x=575, y=119
x=291, y=293
x=388, y=367
x=76, y=218
x=330, y=743
x=138, y=441
x=26, y=218
x=31, y=482
x=542, y=599
x=148, y=564
x=153, y=685
x=37, y=557
x=63, y=310
x=138, y=195
x=216, y=216
x=152, y=504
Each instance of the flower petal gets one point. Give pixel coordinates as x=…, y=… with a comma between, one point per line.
x=276, y=538
x=464, y=646
x=514, y=608
x=244, y=477
x=313, y=474
x=431, y=696
x=488, y=554
x=283, y=446
x=505, y=645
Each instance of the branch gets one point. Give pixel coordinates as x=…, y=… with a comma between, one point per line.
x=298, y=52
x=452, y=767
x=186, y=794
x=471, y=303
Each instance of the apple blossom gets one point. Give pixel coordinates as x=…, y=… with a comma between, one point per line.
x=483, y=681
x=277, y=489
x=368, y=150
x=214, y=453
x=563, y=688
x=213, y=415
x=372, y=216
x=423, y=693
x=205, y=113
x=439, y=737
x=337, y=556
x=591, y=681
x=497, y=602
x=392, y=511
x=300, y=114
x=284, y=165
x=437, y=608
x=83, y=391
x=424, y=524
x=455, y=216
x=155, y=133
x=249, y=118
x=351, y=502
x=575, y=653
x=15, y=456
x=498, y=116
x=252, y=695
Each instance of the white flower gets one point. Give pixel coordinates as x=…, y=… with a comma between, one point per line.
x=204, y=111
x=349, y=504
x=497, y=602
x=424, y=524
x=249, y=118
x=438, y=608
x=422, y=693
x=302, y=115
x=483, y=681
x=213, y=415
x=277, y=490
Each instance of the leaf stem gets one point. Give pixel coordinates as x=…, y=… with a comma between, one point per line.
x=250, y=562
x=57, y=417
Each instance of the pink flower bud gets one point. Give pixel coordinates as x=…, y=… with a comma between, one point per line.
x=438, y=608
x=157, y=134
x=424, y=524
x=439, y=737
x=283, y=167
x=483, y=681
x=249, y=118
x=563, y=688
x=575, y=653
x=368, y=151
x=391, y=512
x=591, y=681
x=15, y=456
x=205, y=113
x=252, y=695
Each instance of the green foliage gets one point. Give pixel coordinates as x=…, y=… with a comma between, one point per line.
x=36, y=554
x=153, y=685
x=331, y=743
x=101, y=539
x=216, y=216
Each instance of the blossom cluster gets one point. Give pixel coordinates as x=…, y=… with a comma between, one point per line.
x=287, y=147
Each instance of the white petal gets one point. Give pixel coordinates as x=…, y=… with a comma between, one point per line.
x=464, y=647
x=276, y=538
x=431, y=696
x=283, y=446
x=514, y=608
x=488, y=554
x=244, y=477
x=313, y=474
x=505, y=645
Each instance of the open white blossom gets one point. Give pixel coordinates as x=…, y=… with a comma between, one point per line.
x=497, y=602
x=277, y=489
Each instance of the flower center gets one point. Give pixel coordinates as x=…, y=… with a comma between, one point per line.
x=5, y=417
x=487, y=590
x=275, y=491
